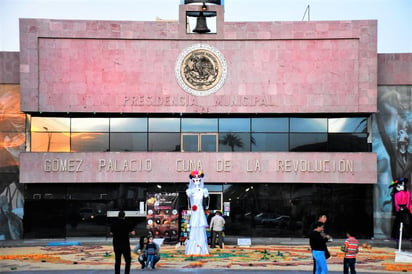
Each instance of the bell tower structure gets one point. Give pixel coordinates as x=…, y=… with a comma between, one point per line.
x=201, y=17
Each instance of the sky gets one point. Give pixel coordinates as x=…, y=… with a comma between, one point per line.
x=394, y=16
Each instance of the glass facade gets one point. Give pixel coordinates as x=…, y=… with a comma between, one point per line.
x=171, y=134
x=257, y=210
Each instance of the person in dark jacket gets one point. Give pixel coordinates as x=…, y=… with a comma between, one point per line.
x=318, y=245
x=141, y=247
x=121, y=230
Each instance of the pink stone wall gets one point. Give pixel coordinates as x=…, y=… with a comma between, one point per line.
x=9, y=68
x=110, y=167
x=273, y=67
x=395, y=69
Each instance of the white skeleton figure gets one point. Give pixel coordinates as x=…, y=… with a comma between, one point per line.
x=197, y=243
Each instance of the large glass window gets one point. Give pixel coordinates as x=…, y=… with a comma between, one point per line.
x=190, y=143
x=208, y=142
x=234, y=125
x=229, y=141
x=270, y=142
x=309, y=142
x=90, y=125
x=50, y=124
x=199, y=124
x=122, y=141
x=343, y=142
x=347, y=124
x=128, y=124
x=50, y=141
x=53, y=134
x=89, y=142
x=164, y=142
x=270, y=125
x=164, y=124
x=50, y=134
x=308, y=125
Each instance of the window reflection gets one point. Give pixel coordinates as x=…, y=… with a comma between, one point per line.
x=270, y=124
x=308, y=124
x=342, y=142
x=50, y=141
x=308, y=142
x=190, y=143
x=128, y=141
x=234, y=125
x=88, y=141
x=234, y=142
x=55, y=134
x=128, y=124
x=208, y=143
x=199, y=124
x=347, y=124
x=270, y=142
x=164, y=125
x=90, y=124
x=50, y=124
x=164, y=142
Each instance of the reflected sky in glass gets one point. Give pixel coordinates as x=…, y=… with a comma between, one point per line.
x=199, y=125
x=90, y=124
x=308, y=125
x=234, y=125
x=164, y=124
x=270, y=124
x=48, y=124
x=128, y=124
x=348, y=124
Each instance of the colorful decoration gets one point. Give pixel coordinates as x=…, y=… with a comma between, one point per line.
x=278, y=257
x=197, y=243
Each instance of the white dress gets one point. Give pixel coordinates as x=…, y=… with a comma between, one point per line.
x=197, y=243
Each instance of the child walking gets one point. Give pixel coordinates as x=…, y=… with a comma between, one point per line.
x=351, y=248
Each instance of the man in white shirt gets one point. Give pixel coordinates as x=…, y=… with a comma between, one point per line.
x=216, y=226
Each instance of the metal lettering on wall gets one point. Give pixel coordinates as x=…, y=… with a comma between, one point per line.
x=221, y=165
x=224, y=167
x=218, y=100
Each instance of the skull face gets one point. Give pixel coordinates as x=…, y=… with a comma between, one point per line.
x=196, y=181
x=403, y=141
x=400, y=187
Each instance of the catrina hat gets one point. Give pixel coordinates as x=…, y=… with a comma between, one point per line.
x=199, y=173
x=398, y=181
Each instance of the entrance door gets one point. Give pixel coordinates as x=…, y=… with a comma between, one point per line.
x=199, y=142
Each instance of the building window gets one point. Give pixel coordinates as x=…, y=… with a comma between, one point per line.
x=50, y=134
x=164, y=125
x=211, y=134
x=199, y=124
x=167, y=142
x=130, y=141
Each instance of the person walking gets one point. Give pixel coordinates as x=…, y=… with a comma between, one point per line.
x=351, y=248
x=121, y=230
x=318, y=245
x=217, y=225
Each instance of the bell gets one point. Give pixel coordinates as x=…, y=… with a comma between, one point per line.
x=201, y=26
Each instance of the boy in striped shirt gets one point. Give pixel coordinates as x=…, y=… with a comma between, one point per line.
x=351, y=248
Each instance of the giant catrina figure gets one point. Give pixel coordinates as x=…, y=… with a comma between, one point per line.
x=197, y=243
x=402, y=201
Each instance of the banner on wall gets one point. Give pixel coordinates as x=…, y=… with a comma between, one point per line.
x=162, y=218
